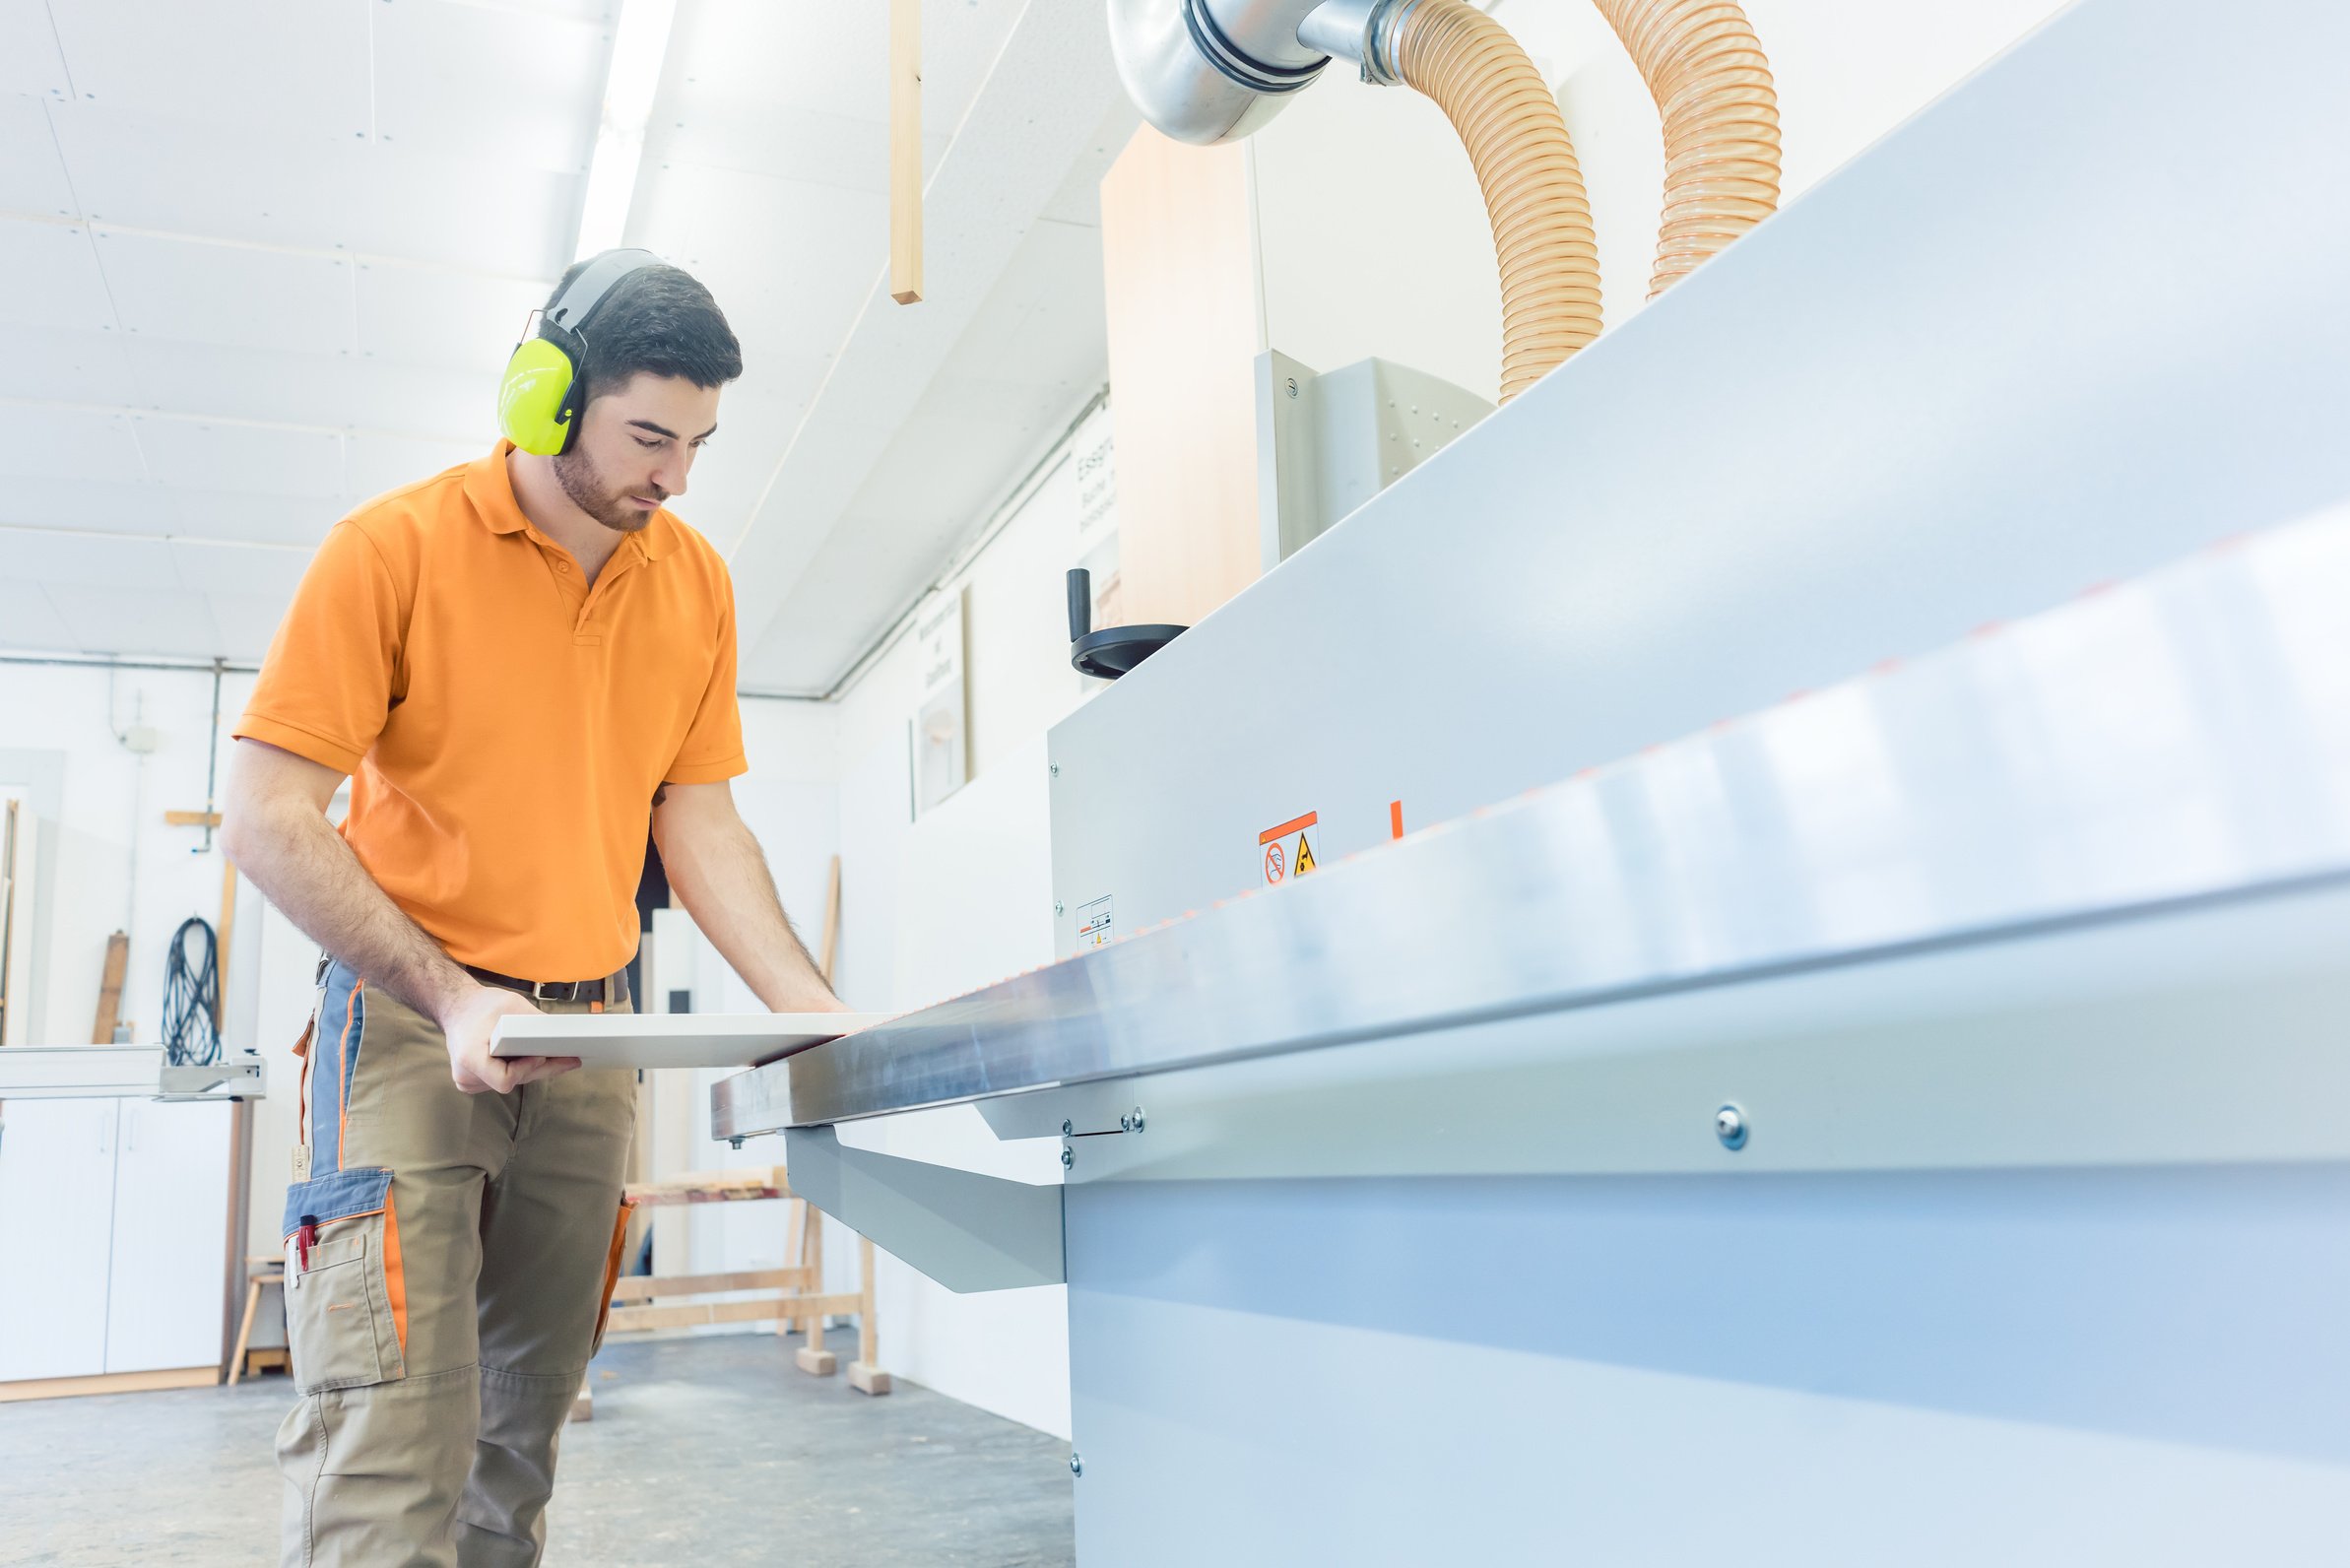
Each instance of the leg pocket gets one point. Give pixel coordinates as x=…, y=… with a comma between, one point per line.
x=345, y=1311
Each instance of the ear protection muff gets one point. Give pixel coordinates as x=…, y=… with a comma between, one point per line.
x=539, y=398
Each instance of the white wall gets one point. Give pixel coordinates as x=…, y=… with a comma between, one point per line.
x=960, y=900
x=1373, y=239
x=110, y=812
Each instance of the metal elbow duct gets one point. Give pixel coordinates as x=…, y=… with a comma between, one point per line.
x=1207, y=70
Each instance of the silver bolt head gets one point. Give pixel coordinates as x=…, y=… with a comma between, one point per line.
x=1291, y=384
x=1133, y=1123
x=1730, y=1125
x=1076, y=1465
x=1068, y=1159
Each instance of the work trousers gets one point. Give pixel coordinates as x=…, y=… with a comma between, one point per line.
x=459, y=1266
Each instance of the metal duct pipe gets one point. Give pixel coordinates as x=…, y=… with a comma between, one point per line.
x=1207, y=70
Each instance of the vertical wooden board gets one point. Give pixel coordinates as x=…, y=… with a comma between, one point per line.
x=1180, y=275
x=905, y=151
x=109, y=989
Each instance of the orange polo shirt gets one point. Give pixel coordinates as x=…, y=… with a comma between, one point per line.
x=504, y=726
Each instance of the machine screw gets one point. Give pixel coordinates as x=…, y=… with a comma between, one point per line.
x=1054, y=769
x=1291, y=384
x=1068, y=1159
x=1132, y=1122
x=1730, y=1125
x=1056, y=910
x=737, y=1142
x=1069, y=1129
x=1077, y=1464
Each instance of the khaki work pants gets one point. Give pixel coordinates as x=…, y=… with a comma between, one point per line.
x=464, y=1256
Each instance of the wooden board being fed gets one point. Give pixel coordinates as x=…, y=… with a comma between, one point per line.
x=676, y=1039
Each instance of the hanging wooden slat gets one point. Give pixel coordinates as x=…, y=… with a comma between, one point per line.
x=905, y=151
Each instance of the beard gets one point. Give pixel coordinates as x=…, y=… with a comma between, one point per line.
x=593, y=495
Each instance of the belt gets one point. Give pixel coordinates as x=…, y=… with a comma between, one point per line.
x=610, y=991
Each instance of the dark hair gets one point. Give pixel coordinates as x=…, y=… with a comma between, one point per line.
x=656, y=320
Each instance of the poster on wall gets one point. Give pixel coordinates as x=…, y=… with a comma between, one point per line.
x=1094, y=454
x=940, y=727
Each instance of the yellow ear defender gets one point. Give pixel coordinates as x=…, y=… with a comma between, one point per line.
x=539, y=398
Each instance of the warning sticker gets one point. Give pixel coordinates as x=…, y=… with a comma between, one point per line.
x=1289, y=848
x=1096, y=926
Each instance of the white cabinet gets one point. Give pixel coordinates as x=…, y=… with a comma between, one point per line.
x=56, y=1209
x=113, y=1216
x=163, y=1295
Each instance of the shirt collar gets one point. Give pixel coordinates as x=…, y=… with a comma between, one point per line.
x=490, y=488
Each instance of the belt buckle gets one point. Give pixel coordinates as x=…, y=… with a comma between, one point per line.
x=541, y=993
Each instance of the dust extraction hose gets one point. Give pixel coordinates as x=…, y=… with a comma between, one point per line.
x=1706, y=70
x=1517, y=141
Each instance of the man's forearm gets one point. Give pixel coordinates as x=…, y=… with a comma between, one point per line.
x=301, y=864
x=718, y=871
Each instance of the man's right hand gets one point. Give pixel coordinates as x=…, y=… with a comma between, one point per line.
x=467, y=1023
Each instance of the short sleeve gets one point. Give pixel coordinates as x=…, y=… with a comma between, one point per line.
x=712, y=750
x=326, y=685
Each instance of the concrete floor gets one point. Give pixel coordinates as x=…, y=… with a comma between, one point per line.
x=703, y=1452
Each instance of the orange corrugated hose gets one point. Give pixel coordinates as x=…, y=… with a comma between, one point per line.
x=1517, y=141
x=1712, y=84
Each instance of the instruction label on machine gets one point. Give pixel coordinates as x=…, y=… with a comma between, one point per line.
x=1289, y=850
x=1095, y=925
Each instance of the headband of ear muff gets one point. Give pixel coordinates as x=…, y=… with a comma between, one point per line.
x=537, y=398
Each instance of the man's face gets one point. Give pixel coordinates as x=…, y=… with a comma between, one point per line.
x=637, y=444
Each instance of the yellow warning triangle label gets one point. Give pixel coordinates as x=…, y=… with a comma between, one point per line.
x=1303, y=860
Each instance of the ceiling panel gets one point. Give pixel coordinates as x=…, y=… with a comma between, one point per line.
x=460, y=79
x=312, y=389
x=68, y=443
x=297, y=66
x=235, y=294
x=472, y=213
x=245, y=623
x=32, y=172
x=270, y=571
x=52, y=363
x=100, y=505
x=126, y=619
x=246, y=182
x=760, y=136
x=378, y=463
x=28, y=620
x=53, y=278
x=261, y=519
x=422, y=315
x=28, y=59
x=264, y=460
x=86, y=561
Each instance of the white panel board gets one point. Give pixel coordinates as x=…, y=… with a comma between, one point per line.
x=456, y=79
x=28, y=620
x=141, y=170
x=247, y=457
x=378, y=463
x=28, y=59
x=31, y=173
x=131, y=506
x=680, y=1039
x=166, y=1291
x=59, y=557
x=138, y=621
x=270, y=571
x=228, y=293
x=68, y=443
x=423, y=315
x=462, y=211
x=261, y=519
x=53, y=278
x=245, y=624
x=79, y=363
x=295, y=66
x=56, y=1194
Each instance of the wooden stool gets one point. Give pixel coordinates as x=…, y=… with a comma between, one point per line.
x=260, y=1269
x=798, y=1291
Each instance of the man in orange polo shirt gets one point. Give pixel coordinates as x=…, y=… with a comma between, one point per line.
x=521, y=663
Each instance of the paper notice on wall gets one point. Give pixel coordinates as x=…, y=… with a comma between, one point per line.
x=940, y=726
x=1096, y=926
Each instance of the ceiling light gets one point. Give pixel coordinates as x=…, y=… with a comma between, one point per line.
x=638, y=43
